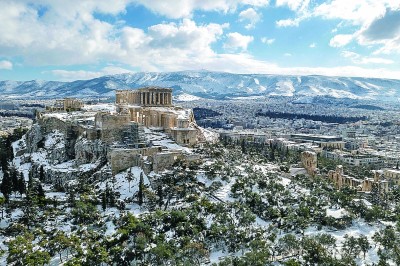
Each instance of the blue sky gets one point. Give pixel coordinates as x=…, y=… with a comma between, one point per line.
x=78, y=39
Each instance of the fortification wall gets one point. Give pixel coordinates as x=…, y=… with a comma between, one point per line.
x=122, y=159
x=309, y=161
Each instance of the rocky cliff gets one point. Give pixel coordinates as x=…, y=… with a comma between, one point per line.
x=54, y=146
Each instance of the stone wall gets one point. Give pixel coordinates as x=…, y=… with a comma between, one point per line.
x=122, y=159
x=165, y=160
x=309, y=161
x=368, y=184
x=184, y=136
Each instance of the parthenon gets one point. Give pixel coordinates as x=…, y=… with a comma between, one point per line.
x=152, y=107
x=149, y=96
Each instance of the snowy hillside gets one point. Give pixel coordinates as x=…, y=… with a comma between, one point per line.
x=206, y=84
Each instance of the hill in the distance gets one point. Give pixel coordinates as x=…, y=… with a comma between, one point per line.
x=206, y=84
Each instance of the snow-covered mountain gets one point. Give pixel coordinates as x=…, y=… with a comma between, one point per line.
x=208, y=84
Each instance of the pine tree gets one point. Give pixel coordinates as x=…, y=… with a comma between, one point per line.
x=41, y=194
x=160, y=196
x=141, y=187
x=129, y=177
x=104, y=201
x=14, y=179
x=6, y=186
x=71, y=198
x=30, y=186
x=41, y=173
x=21, y=184
x=243, y=145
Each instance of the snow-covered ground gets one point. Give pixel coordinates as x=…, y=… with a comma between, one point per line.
x=100, y=107
x=185, y=97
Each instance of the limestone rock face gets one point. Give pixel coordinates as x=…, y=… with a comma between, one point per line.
x=33, y=137
x=89, y=151
x=55, y=146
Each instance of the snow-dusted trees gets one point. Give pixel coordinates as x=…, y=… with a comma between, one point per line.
x=141, y=188
x=28, y=249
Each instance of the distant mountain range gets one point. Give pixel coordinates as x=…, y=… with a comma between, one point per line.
x=189, y=85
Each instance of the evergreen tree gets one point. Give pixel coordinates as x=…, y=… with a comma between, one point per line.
x=29, y=189
x=14, y=179
x=104, y=201
x=243, y=146
x=21, y=184
x=363, y=244
x=160, y=196
x=272, y=155
x=375, y=194
x=41, y=195
x=129, y=177
x=6, y=186
x=41, y=173
x=2, y=201
x=71, y=198
x=141, y=188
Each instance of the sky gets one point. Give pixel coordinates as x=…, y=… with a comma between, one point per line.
x=82, y=39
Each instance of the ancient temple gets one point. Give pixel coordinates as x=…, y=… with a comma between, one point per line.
x=152, y=107
x=149, y=96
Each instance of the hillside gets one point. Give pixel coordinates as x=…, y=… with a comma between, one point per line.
x=206, y=84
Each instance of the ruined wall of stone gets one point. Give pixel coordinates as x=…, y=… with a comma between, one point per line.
x=309, y=161
x=122, y=159
x=187, y=137
x=165, y=160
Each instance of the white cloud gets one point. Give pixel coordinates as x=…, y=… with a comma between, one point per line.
x=68, y=33
x=249, y=15
x=377, y=22
x=341, y=40
x=267, y=41
x=364, y=60
x=300, y=7
x=313, y=45
x=283, y=23
x=245, y=63
x=384, y=32
x=295, y=5
x=356, y=11
x=4, y=64
x=184, y=8
x=236, y=41
x=65, y=35
x=70, y=75
x=287, y=54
